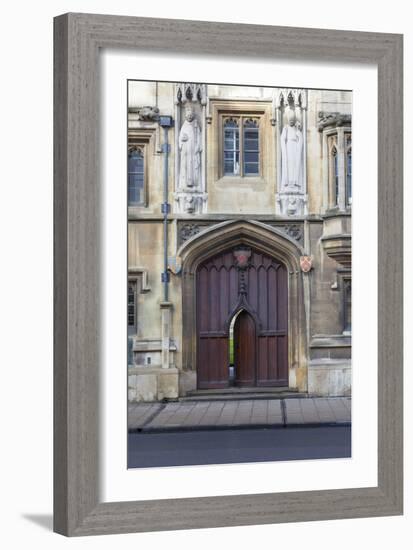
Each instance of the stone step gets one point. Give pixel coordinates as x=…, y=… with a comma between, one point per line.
x=237, y=396
x=236, y=390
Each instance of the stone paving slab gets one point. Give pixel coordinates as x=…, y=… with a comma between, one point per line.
x=318, y=410
x=236, y=414
x=139, y=413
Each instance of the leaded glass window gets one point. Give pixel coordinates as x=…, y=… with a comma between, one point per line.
x=335, y=174
x=347, y=304
x=251, y=147
x=131, y=307
x=241, y=146
x=231, y=148
x=136, y=177
x=348, y=177
x=339, y=160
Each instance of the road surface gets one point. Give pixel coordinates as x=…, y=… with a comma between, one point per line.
x=235, y=446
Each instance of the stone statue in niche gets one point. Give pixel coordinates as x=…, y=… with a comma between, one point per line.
x=292, y=154
x=190, y=148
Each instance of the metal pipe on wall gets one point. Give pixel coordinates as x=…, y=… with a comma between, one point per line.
x=165, y=122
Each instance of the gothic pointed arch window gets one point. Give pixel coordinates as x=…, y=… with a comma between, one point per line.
x=348, y=170
x=337, y=160
x=141, y=150
x=334, y=174
x=136, y=176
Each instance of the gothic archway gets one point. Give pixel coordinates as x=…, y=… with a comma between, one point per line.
x=271, y=244
x=246, y=354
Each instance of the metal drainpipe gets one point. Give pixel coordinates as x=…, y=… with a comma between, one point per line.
x=165, y=122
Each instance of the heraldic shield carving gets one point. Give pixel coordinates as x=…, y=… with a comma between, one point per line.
x=306, y=263
x=242, y=257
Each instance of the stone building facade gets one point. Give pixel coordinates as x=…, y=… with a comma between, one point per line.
x=239, y=237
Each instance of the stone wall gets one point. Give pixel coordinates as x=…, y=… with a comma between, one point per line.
x=323, y=235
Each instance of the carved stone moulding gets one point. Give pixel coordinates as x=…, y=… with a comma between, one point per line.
x=291, y=97
x=291, y=204
x=190, y=91
x=338, y=247
x=135, y=272
x=332, y=120
x=190, y=203
x=293, y=230
x=189, y=229
x=148, y=113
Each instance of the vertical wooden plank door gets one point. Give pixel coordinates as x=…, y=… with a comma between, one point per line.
x=258, y=295
x=245, y=360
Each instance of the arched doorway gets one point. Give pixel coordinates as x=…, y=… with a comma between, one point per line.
x=252, y=285
x=245, y=351
x=276, y=245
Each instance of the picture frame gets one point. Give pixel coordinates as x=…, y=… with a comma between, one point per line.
x=77, y=506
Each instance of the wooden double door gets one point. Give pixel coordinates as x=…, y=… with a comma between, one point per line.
x=248, y=290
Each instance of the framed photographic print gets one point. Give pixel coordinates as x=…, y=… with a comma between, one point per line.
x=228, y=306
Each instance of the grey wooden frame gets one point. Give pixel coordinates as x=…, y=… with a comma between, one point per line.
x=78, y=39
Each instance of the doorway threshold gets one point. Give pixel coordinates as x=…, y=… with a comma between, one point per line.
x=234, y=393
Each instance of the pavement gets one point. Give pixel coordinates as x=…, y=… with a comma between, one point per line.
x=238, y=414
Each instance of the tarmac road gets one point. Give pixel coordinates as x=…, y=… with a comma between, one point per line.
x=234, y=446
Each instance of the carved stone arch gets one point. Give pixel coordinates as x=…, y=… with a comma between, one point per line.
x=270, y=241
x=233, y=232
